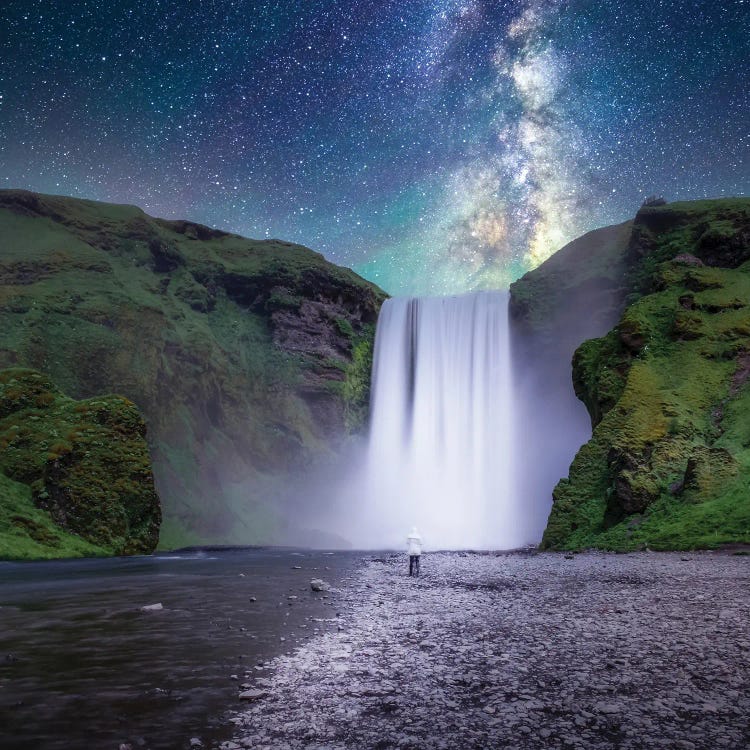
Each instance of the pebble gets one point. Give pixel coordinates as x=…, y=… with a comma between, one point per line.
x=252, y=695
x=592, y=652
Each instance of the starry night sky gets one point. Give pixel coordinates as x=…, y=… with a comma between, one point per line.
x=434, y=146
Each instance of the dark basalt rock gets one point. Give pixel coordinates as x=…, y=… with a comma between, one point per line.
x=193, y=231
x=686, y=259
x=634, y=488
x=633, y=335
x=165, y=257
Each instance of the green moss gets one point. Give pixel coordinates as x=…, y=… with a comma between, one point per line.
x=28, y=533
x=668, y=465
x=344, y=327
x=639, y=417
x=356, y=389
x=710, y=231
x=598, y=374
x=282, y=299
x=86, y=464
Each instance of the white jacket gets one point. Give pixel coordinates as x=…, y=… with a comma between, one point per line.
x=414, y=542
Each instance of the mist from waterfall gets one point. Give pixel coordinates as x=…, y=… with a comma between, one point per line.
x=442, y=447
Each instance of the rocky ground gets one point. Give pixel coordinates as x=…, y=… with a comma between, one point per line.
x=647, y=650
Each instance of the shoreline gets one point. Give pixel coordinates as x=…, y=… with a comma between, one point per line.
x=523, y=650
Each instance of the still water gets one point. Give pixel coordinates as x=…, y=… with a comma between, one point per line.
x=81, y=666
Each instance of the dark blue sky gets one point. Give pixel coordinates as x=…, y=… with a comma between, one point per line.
x=435, y=146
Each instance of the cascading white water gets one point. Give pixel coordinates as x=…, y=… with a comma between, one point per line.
x=440, y=454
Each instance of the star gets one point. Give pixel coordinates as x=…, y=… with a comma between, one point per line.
x=437, y=146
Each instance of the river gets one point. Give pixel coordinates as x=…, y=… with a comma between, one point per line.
x=82, y=666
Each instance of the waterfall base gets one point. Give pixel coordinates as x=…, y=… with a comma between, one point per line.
x=441, y=448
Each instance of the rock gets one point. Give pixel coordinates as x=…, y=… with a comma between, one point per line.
x=633, y=334
x=601, y=658
x=634, y=488
x=608, y=708
x=686, y=259
x=318, y=584
x=687, y=301
x=252, y=695
x=196, y=742
x=253, y=599
x=152, y=607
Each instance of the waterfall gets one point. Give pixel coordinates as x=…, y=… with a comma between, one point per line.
x=441, y=447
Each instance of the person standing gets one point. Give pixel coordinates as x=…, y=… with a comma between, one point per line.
x=414, y=542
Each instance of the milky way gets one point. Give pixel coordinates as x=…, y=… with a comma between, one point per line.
x=435, y=147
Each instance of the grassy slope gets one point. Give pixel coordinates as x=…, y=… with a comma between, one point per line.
x=239, y=353
x=28, y=533
x=668, y=465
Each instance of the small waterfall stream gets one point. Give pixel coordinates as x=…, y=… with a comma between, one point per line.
x=441, y=449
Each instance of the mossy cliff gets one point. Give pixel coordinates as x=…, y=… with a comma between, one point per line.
x=249, y=359
x=75, y=476
x=668, y=465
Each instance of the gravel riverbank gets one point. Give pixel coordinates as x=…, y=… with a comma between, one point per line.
x=647, y=650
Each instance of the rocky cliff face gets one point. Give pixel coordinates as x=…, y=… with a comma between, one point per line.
x=249, y=360
x=577, y=293
x=668, y=465
x=75, y=476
